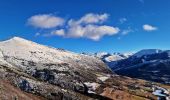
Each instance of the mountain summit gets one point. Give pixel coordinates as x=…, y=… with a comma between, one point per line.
x=29, y=61
x=29, y=51
x=147, y=52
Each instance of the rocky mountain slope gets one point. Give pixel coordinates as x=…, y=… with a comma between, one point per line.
x=31, y=66
x=35, y=72
x=9, y=92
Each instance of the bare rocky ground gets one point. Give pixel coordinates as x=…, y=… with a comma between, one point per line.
x=9, y=92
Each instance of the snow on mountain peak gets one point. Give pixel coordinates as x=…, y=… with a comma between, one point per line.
x=147, y=52
x=25, y=49
x=18, y=50
x=101, y=54
x=17, y=38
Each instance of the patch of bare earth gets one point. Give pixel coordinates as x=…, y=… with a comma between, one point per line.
x=9, y=92
x=125, y=88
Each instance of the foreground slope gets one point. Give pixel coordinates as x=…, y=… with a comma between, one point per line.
x=9, y=92
x=31, y=66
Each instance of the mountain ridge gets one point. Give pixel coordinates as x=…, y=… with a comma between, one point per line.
x=58, y=74
x=62, y=68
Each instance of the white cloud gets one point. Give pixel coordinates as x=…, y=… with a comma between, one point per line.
x=97, y=32
x=75, y=31
x=45, y=21
x=89, y=18
x=59, y=32
x=122, y=20
x=93, y=32
x=149, y=28
x=89, y=26
x=37, y=34
x=94, y=18
x=127, y=31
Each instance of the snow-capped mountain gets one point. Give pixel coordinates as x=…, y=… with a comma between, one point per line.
x=32, y=71
x=151, y=64
x=108, y=57
x=18, y=50
x=24, y=63
x=111, y=58
x=147, y=52
x=148, y=64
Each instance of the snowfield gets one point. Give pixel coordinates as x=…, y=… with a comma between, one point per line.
x=24, y=50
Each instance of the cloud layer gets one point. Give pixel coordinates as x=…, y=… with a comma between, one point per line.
x=59, y=32
x=127, y=31
x=122, y=20
x=89, y=26
x=45, y=21
x=93, y=32
x=149, y=28
x=93, y=18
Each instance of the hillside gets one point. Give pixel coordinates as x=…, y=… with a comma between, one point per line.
x=33, y=71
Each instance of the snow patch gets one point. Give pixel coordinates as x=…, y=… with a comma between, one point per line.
x=91, y=86
x=104, y=78
x=113, y=58
x=159, y=93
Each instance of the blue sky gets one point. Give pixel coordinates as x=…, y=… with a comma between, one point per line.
x=88, y=25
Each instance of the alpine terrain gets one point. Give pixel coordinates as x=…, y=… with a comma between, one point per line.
x=32, y=71
x=148, y=64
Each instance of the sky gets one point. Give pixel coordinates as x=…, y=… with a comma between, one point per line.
x=88, y=25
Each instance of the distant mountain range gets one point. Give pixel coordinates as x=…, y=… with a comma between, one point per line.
x=148, y=64
x=30, y=71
